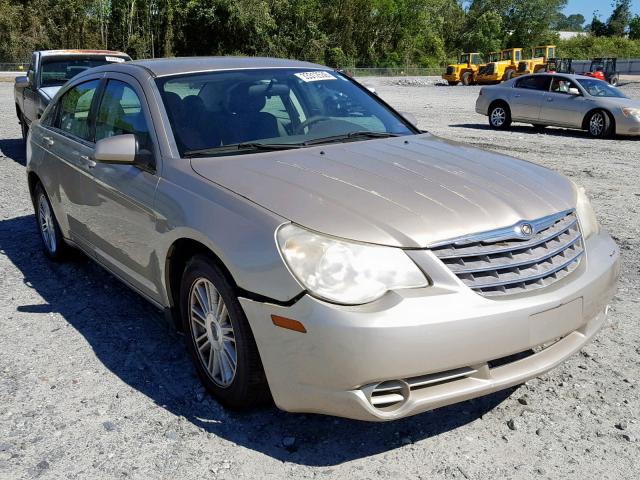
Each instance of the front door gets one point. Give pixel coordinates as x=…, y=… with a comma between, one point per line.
x=122, y=226
x=564, y=104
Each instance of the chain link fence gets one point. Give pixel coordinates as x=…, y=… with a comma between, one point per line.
x=395, y=72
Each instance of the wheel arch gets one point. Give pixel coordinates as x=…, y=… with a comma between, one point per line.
x=178, y=255
x=33, y=179
x=585, y=120
x=498, y=101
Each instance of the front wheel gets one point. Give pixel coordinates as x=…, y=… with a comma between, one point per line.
x=614, y=80
x=219, y=337
x=600, y=125
x=499, y=117
x=54, y=245
x=467, y=78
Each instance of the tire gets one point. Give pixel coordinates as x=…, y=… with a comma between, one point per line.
x=614, y=80
x=53, y=243
x=467, y=78
x=508, y=76
x=25, y=129
x=499, y=116
x=452, y=83
x=599, y=124
x=217, y=334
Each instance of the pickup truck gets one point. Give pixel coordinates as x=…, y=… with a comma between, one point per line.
x=48, y=71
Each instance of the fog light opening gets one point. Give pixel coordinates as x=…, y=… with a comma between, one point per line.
x=390, y=395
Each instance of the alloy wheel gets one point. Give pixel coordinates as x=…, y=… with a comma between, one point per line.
x=47, y=225
x=498, y=116
x=596, y=124
x=212, y=332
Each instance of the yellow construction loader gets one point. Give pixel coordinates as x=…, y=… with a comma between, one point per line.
x=502, y=69
x=538, y=62
x=464, y=71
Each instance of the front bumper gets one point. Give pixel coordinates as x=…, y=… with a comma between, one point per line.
x=627, y=125
x=433, y=333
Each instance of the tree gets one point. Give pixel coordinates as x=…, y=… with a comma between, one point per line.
x=483, y=33
x=571, y=23
x=634, y=28
x=620, y=18
x=599, y=28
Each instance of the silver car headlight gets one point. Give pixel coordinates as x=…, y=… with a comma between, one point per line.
x=345, y=272
x=587, y=217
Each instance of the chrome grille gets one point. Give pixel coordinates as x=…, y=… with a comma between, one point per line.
x=505, y=261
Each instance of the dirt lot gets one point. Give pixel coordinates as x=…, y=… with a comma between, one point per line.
x=93, y=385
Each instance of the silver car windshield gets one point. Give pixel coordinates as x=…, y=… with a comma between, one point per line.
x=223, y=113
x=598, y=88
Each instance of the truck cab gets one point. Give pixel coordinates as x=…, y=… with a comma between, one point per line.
x=48, y=71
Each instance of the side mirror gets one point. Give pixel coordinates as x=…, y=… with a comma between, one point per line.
x=22, y=81
x=120, y=149
x=410, y=117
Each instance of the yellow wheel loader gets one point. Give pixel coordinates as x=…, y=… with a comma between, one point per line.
x=502, y=69
x=538, y=62
x=464, y=71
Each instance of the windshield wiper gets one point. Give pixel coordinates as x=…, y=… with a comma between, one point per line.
x=349, y=136
x=247, y=147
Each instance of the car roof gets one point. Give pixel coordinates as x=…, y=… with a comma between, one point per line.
x=51, y=53
x=171, y=66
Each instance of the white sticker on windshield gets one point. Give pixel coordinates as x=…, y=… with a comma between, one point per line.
x=314, y=76
x=114, y=59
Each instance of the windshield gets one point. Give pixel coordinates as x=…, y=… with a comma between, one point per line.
x=464, y=58
x=55, y=72
x=598, y=88
x=278, y=107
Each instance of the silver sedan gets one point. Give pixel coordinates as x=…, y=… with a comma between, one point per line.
x=314, y=246
x=570, y=101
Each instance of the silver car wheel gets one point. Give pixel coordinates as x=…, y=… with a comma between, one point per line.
x=596, y=124
x=47, y=224
x=498, y=116
x=212, y=332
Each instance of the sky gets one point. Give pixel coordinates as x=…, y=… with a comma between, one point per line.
x=587, y=7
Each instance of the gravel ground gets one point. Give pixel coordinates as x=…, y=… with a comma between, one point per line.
x=93, y=385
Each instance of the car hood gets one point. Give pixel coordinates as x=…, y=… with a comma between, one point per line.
x=406, y=191
x=50, y=92
x=619, y=102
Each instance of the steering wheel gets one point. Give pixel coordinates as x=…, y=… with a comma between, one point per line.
x=308, y=122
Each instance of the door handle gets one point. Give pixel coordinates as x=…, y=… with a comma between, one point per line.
x=549, y=99
x=89, y=161
x=517, y=96
x=48, y=140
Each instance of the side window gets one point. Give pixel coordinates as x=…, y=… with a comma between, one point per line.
x=120, y=113
x=534, y=82
x=74, y=108
x=564, y=86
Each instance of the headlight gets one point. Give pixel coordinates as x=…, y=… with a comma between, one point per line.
x=631, y=112
x=345, y=272
x=586, y=215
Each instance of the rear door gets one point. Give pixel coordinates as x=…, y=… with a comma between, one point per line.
x=527, y=96
x=564, y=104
x=68, y=144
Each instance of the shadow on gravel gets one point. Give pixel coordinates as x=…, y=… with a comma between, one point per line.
x=130, y=338
x=531, y=130
x=14, y=149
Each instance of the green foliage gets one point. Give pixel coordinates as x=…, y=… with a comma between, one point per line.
x=585, y=47
x=634, y=28
x=620, y=18
x=571, y=23
x=341, y=33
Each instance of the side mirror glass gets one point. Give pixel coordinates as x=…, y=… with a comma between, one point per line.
x=23, y=81
x=410, y=117
x=120, y=149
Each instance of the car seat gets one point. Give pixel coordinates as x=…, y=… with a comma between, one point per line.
x=245, y=120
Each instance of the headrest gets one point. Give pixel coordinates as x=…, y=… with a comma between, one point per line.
x=173, y=104
x=192, y=104
x=239, y=100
